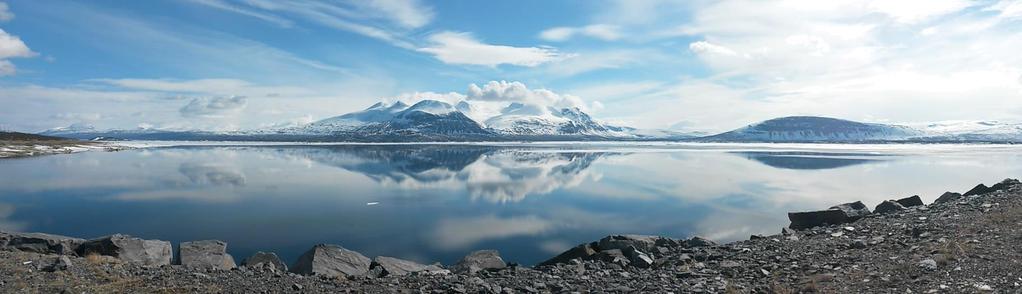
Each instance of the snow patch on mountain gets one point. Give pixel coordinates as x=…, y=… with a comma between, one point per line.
x=816, y=129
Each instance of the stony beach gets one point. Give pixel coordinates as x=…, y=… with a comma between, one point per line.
x=961, y=243
x=23, y=145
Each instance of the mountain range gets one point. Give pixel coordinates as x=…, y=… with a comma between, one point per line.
x=437, y=121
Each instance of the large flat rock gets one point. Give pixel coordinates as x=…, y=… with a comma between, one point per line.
x=40, y=243
x=390, y=266
x=331, y=260
x=129, y=249
x=205, y=253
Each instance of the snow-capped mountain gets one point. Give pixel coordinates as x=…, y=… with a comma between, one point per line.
x=530, y=120
x=72, y=129
x=430, y=117
x=426, y=119
x=816, y=129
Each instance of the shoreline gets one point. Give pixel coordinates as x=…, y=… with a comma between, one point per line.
x=912, y=246
x=31, y=148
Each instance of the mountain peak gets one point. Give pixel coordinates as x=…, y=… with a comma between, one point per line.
x=432, y=107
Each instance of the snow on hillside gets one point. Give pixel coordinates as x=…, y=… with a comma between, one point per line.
x=972, y=130
x=814, y=129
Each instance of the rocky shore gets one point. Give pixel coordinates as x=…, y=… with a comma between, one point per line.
x=25, y=148
x=961, y=243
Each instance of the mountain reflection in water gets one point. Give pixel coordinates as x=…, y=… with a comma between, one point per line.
x=438, y=202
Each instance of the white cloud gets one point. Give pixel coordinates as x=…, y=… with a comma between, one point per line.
x=463, y=48
x=914, y=11
x=214, y=106
x=584, y=62
x=386, y=20
x=11, y=47
x=599, y=31
x=5, y=12
x=703, y=47
x=224, y=5
x=407, y=13
x=7, y=68
x=504, y=91
x=860, y=60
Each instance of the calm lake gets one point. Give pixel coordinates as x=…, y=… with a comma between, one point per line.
x=437, y=202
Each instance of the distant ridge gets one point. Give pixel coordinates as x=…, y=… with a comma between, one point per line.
x=16, y=136
x=437, y=121
x=815, y=129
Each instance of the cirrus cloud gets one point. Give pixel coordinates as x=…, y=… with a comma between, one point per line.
x=599, y=31
x=463, y=48
x=5, y=12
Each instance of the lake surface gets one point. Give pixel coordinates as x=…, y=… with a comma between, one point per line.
x=438, y=202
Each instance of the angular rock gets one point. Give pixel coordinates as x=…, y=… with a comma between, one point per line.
x=479, y=260
x=129, y=249
x=265, y=260
x=853, y=210
x=888, y=206
x=331, y=260
x=62, y=263
x=948, y=197
x=582, y=251
x=809, y=219
x=205, y=253
x=637, y=258
x=389, y=266
x=644, y=243
x=839, y=214
x=788, y=232
x=41, y=243
x=983, y=189
x=914, y=200
x=698, y=241
x=1005, y=184
x=616, y=256
x=979, y=189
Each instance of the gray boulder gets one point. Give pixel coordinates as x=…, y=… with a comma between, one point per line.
x=809, y=219
x=479, y=260
x=265, y=260
x=948, y=197
x=888, y=206
x=40, y=243
x=613, y=256
x=389, y=266
x=644, y=243
x=979, y=189
x=698, y=241
x=129, y=249
x=1005, y=184
x=582, y=251
x=205, y=253
x=914, y=200
x=853, y=210
x=61, y=264
x=839, y=214
x=637, y=258
x=331, y=260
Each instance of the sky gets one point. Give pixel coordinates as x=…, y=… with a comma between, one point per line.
x=685, y=65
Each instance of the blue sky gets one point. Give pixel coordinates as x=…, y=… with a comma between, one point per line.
x=699, y=65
